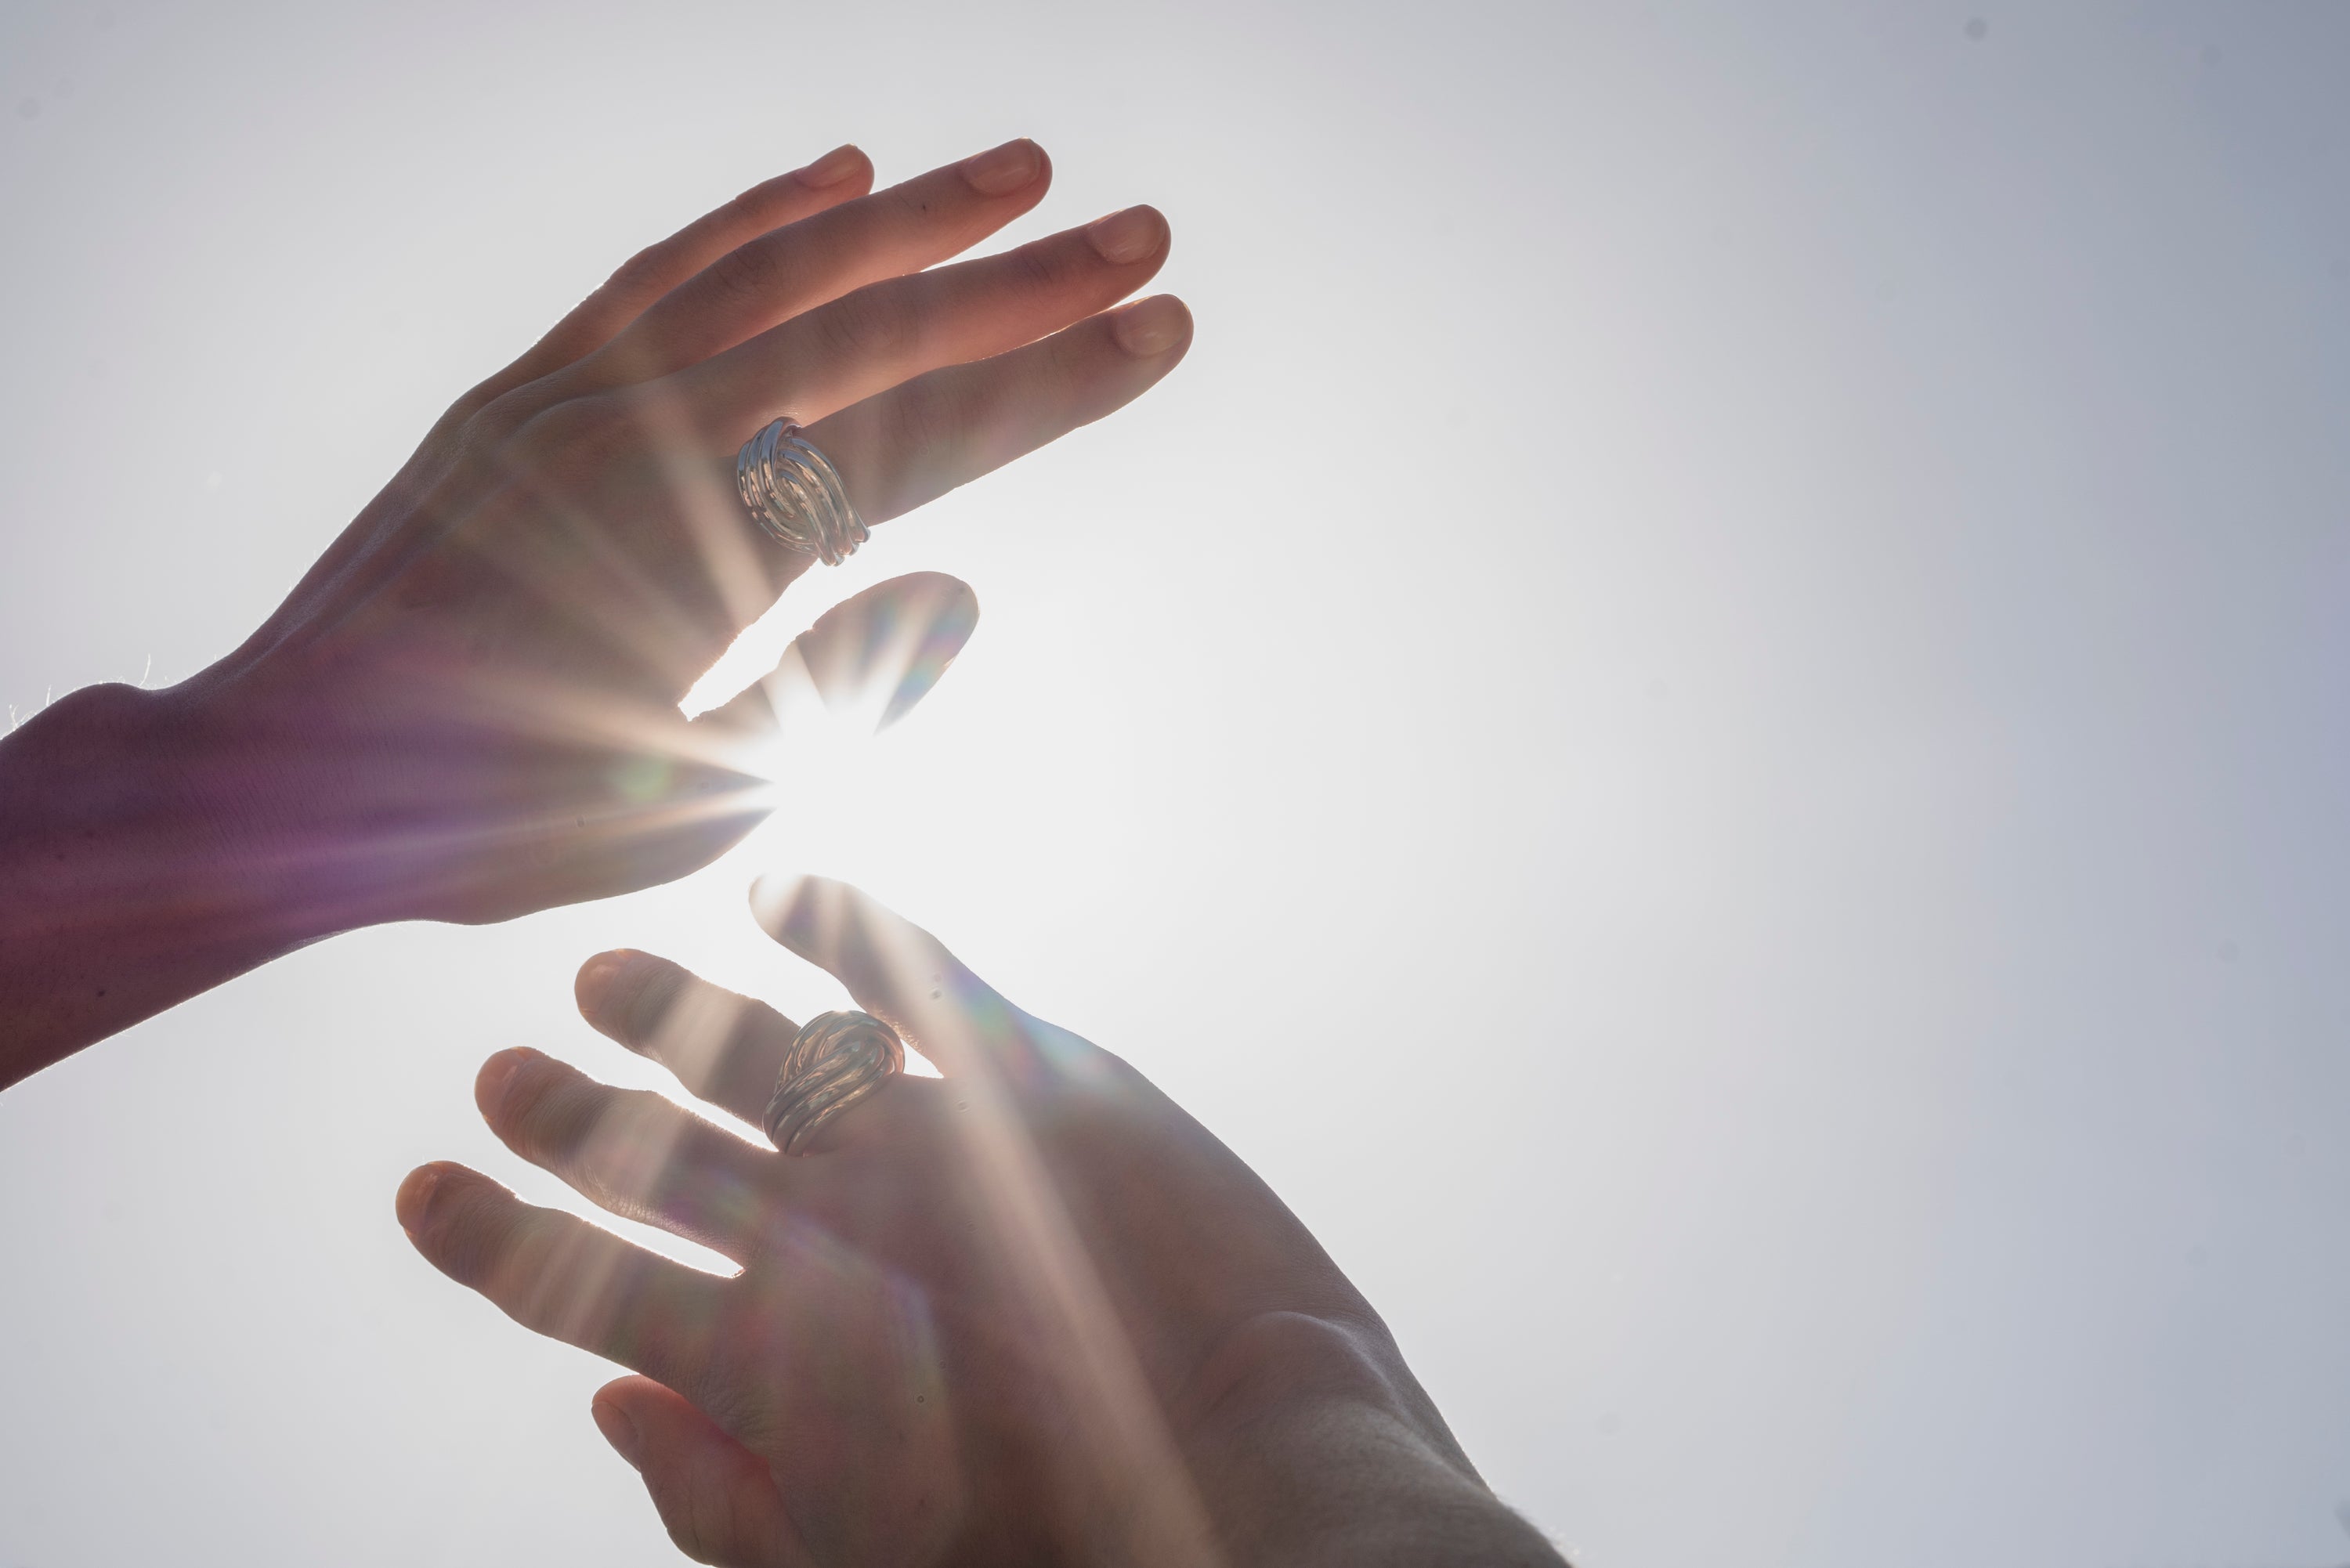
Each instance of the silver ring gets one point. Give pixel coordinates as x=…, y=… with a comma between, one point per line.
x=795, y=494
x=836, y=1060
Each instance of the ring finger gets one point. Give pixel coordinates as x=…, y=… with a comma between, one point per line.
x=924, y=437
x=916, y=442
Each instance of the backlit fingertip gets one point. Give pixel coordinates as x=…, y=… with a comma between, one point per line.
x=597, y=986
x=618, y=1431
x=1150, y=328
x=833, y=167
x=783, y=906
x=768, y=897
x=1000, y=171
x=414, y=1200
x=493, y=1085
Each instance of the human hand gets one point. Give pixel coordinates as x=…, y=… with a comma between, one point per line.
x=467, y=709
x=1028, y=1312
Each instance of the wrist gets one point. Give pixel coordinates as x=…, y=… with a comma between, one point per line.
x=1318, y=1447
x=132, y=881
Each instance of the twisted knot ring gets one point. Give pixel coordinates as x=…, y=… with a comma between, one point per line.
x=836, y=1060
x=795, y=494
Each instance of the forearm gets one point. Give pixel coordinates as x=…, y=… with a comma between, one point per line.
x=128, y=882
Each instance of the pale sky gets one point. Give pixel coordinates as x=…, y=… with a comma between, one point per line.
x=1710, y=722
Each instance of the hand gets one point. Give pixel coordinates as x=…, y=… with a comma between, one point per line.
x=1028, y=1312
x=467, y=709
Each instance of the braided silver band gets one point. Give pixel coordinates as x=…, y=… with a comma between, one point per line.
x=796, y=495
x=836, y=1060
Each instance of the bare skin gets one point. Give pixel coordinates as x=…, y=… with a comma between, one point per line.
x=1030, y=1312
x=1025, y=1313
x=467, y=709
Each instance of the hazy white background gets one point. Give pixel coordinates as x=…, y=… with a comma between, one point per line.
x=1710, y=722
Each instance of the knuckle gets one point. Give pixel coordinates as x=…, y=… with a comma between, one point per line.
x=915, y=418
x=908, y=200
x=871, y=324
x=466, y=1239
x=748, y=272
x=497, y=418
x=569, y=440
x=1044, y=268
x=644, y=272
x=686, y=1533
x=748, y=208
x=550, y=1116
x=645, y=1010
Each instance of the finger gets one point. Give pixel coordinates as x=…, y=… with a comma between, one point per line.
x=840, y=175
x=871, y=657
x=724, y=1048
x=885, y=332
x=630, y=1151
x=897, y=971
x=879, y=653
x=559, y=1276
x=625, y=794
x=915, y=442
x=716, y=1497
x=775, y=276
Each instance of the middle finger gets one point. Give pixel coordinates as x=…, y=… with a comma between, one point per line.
x=886, y=332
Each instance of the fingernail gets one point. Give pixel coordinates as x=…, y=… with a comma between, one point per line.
x=598, y=983
x=1128, y=236
x=496, y=1078
x=1151, y=327
x=617, y=1429
x=1003, y=170
x=832, y=168
x=415, y=1197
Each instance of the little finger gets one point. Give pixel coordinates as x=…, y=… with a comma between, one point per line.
x=775, y=276
x=644, y=278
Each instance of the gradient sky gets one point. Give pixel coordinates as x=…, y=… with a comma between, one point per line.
x=1710, y=722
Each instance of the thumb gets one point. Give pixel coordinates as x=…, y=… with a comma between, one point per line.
x=871, y=657
x=880, y=652
x=715, y=1497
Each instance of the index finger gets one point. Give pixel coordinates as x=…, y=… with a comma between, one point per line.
x=558, y=1275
